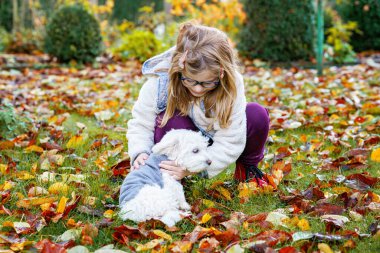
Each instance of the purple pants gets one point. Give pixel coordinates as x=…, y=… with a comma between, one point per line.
x=257, y=132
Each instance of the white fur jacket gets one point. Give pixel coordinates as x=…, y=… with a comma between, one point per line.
x=228, y=143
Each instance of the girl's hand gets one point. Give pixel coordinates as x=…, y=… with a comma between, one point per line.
x=140, y=160
x=173, y=169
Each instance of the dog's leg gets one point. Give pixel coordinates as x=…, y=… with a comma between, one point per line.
x=177, y=189
x=171, y=218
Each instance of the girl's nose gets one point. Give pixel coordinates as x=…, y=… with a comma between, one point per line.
x=198, y=88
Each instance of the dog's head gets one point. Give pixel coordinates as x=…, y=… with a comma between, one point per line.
x=188, y=148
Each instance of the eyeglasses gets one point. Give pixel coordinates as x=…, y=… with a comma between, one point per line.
x=190, y=82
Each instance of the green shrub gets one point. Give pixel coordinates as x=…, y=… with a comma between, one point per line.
x=4, y=39
x=338, y=38
x=367, y=14
x=138, y=44
x=278, y=30
x=73, y=34
x=11, y=124
x=6, y=15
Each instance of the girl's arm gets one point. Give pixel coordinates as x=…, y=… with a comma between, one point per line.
x=141, y=127
x=229, y=142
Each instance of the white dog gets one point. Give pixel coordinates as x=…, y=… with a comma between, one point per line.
x=147, y=193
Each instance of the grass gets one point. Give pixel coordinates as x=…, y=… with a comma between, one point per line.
x=101, y=185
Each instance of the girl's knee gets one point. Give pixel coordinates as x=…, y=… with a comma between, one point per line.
x=257, y=115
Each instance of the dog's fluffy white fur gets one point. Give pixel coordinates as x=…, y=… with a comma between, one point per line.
x=188, y=149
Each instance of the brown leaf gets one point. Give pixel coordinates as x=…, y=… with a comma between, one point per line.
x=273, y=237
x=47, y=246
x=326, y=208
x=217, y=216
x=198, y=233
x=181, y=247
x=6, y=145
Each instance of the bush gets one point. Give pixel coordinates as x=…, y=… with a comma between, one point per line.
x=138, y=44
x=11, y=124
x=278, y=30
x=73, y=34
x=25, y=42
x=367, y=14
x=338, y=37
x=6, y=15
x=4, y=39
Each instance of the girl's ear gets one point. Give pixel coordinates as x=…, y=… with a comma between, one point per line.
x=168, y=145
x=221, y=73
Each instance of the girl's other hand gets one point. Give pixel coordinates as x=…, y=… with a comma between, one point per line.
x=173, y=169
x=140, y=160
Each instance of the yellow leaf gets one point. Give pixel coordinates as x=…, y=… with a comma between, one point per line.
x=375, y=156
x=303, y=224
x=45, y=206
x=62, y=204
x=162, y=234
x=24, y=175
x=224, y=192
x=34, y=148
x=3, y=168
x=7, y=185
x=208, y=203
x=149, y=245
x=58, y=188
x=30, y=202
x=108, y=214
x=75, y=141
x=324, y=248
x=206, y=217
x=340, y=189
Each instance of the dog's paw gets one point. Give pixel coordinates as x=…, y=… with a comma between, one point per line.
x=171, y=218
x=185, y=206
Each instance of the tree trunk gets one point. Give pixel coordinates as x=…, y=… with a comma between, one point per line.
x=16, y=20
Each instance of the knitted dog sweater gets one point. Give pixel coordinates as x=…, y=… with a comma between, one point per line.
x=148, y=174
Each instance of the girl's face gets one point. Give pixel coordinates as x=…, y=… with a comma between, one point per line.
x=202, y=77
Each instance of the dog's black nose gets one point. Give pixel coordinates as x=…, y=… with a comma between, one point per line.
x=208, y=162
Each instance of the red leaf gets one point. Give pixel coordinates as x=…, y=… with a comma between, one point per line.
x=288, y=249
x=122, y=168
x=371, y=181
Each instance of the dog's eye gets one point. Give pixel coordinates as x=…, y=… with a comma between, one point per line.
x=195, y=150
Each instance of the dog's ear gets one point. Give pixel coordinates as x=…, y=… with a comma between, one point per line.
x=168, y=144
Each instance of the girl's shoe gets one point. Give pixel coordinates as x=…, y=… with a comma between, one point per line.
x=249, y=174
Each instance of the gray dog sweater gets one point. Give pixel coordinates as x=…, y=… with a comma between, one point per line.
x=148, y=174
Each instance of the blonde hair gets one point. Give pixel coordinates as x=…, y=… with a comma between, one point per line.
x=206, y=48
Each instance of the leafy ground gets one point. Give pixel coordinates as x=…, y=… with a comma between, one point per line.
x=60, y=178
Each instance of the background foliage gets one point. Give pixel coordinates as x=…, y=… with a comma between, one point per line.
x=73, y=34
x=282, y=30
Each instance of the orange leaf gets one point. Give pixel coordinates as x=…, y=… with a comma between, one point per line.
x=62, y=204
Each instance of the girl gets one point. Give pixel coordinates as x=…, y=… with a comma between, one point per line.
x=196, y=85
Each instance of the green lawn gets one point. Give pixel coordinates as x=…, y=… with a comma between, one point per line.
x=318, y=127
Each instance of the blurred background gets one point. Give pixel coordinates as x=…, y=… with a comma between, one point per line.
x=266, y=32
